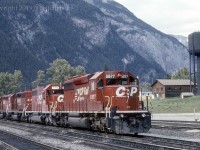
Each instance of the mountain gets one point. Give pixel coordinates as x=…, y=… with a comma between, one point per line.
x=84, y=32
x=164, y=49
x=182, y=39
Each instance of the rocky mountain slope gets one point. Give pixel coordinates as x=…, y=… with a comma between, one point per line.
x=182, y=39
x=86, y=32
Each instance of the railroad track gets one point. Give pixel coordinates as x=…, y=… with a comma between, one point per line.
x=175, y=124
x=5, y=146
x=18, y=142
x=108, y=141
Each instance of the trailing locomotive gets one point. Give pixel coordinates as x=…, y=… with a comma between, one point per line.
x=106, y=101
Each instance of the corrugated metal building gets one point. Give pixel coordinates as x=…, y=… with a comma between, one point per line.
x=163, y=88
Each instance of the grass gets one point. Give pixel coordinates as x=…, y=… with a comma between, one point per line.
x=175, y=105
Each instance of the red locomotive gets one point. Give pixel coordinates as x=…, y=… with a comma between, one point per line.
x=106, y=101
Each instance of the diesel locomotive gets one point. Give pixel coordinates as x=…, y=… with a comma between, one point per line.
x=106, y=101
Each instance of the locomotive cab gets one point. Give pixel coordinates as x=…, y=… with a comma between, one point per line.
x=119, y=94
x=47, y=101
x=53, y=95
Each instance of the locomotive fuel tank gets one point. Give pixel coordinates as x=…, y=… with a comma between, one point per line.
x=78, y=122
x=15, y=117
x=37, y=118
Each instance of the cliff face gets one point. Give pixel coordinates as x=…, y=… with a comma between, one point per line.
x=86, y=32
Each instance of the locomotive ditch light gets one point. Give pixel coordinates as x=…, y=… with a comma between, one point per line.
x=122, y=115
x=143, y=115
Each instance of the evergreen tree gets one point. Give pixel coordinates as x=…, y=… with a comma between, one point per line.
x=79, y=70
x=16, y=81
x=59, y=70
x=181, y=74
x=168, y=76
x=10, y=83
x=40, y=81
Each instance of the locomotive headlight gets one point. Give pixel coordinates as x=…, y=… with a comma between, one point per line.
x=122, y=115
x=143, y=115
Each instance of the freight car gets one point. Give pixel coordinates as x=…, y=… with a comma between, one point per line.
x=106, y=101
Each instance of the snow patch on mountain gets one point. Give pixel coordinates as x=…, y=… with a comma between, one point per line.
x=82, y=23
x=93, y=1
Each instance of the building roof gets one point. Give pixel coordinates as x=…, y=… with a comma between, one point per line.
x=173, y=82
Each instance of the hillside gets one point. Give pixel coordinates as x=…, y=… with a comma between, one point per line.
x=86, y=32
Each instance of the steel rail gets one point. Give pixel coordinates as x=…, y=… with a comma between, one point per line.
x=146, y=142
x=6, y=146
x=39, y=144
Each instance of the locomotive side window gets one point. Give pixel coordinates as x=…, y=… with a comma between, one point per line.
x=69, y=86
x=18, y=95
x=58, y=92
x=100, y=83
x=48, y=93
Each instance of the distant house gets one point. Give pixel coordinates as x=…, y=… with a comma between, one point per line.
x=146, y=93
x=163, y=88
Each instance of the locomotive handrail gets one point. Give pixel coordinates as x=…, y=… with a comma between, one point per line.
x=111, y=105
x=107, y=106
x=127, y=92
x=6, y=109
x=24, y=110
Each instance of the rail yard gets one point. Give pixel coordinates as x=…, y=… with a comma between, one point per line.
x=93, y=111
x=66, y=138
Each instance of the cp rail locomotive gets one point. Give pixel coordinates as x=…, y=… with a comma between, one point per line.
x=106, y=101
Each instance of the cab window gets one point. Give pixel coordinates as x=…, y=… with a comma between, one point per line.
x=58, y=92
x=100, y=83
x=116, y=82
x=133, y=81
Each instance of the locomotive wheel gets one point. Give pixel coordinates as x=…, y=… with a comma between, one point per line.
x=47, y=122
x=109, y=131
x=52, y=121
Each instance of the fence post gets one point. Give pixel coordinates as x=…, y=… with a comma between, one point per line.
x=147, y=99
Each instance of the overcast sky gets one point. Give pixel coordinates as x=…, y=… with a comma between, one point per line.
x=180, y=17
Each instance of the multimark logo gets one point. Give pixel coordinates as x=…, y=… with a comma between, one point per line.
x=123, y=92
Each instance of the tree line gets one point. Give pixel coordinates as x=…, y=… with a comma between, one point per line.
x=57, y=73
